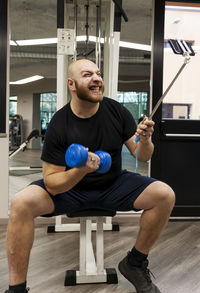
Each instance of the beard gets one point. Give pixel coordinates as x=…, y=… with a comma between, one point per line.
x=88, y=94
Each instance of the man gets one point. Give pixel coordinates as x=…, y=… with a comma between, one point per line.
x=98, y=123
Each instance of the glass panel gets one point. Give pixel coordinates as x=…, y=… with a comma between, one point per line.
x=47, y=110
x=182, y=101
x=12, y=106
x=134, y=70
x=136, y=103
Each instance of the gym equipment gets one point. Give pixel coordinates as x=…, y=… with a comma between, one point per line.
x=117, y=3
x=182, y=48
x=16, y=131
x=91, y=271
x=98, y=35
x=77, y=156
x=75, y=29
x=33, y=134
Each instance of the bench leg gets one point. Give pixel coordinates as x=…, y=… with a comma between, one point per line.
x=91, y=271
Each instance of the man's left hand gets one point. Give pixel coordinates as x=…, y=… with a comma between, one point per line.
x=145, y=129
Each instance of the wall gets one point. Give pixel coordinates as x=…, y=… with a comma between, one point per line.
x=142, y=86
x=25, y=95
x=186, y=88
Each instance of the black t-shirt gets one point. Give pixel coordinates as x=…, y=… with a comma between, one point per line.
x=106, y=130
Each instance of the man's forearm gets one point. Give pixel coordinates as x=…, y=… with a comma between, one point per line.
x=63, y=181
x=145, y=150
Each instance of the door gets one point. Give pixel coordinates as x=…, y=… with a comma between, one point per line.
x=176, y=160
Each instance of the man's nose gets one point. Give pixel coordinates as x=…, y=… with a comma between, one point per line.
x=97, y=77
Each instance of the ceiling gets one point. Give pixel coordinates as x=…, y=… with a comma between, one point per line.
x=30, y=19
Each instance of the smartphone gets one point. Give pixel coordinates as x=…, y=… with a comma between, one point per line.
x=180, y=47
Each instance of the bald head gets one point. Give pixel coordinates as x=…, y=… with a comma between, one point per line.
x=76, y=67
x=85, y=81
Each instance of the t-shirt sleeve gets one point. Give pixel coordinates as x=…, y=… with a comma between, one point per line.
x=53, y=150
x=129, y=125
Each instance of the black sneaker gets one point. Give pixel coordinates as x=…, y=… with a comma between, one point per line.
x=138, y=276
x=11, y=291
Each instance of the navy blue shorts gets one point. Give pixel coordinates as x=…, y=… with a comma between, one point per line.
x=119, y=196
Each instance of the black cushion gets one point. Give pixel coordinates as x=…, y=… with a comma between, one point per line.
x=92, y=213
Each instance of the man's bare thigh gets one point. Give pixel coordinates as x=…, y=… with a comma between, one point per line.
x=36, y=198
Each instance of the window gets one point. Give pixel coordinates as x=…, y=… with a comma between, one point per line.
x=135, y=102
x=12, y=106
x=47, y=108
x=176, y=111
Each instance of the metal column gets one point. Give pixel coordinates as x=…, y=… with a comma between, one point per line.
x=4, y=109
x=111, y=49
x=62, y=61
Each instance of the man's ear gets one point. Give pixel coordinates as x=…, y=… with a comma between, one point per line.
x=71, y=83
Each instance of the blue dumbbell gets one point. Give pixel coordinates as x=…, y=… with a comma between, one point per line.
x=77, y=155
x=106, y=161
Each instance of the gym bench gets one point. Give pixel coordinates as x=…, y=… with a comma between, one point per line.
x=91, y=270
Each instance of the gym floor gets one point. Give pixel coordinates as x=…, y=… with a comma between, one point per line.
x=174, y=260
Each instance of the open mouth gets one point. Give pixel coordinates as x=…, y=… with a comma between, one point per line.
x=95, y=89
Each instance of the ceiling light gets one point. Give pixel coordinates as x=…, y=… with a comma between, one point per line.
x=13, y=43
x=94, y=39
x=49, y=41
x=183, y=8
x=135, y=46
x=36, y=42
x=91, y=39
x=27, y=80
x=80, y=39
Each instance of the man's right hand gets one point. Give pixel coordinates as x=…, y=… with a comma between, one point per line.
x=92, y=163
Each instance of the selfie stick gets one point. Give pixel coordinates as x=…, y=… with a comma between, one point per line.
x=179, y=47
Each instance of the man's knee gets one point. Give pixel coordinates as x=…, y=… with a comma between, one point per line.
x=31, y=202
x=156, y=194
x=166, y=194
x=20, y=205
